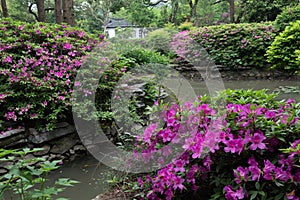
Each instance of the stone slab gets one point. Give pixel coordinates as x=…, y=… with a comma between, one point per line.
x=39, y=138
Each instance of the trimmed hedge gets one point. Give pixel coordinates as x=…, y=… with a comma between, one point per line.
x=284, y=53
x=236, y=45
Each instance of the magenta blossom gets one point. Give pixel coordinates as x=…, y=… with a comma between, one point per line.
x=67, y=46
x=233, y=195
x=257, y=141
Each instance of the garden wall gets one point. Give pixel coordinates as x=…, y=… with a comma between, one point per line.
x=62, y=143
x=229, y=74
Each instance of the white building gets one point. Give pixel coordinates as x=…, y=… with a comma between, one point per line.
x=121, y=26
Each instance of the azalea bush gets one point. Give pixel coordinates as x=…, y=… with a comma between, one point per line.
x=37, y=69
x=235, y=45
x=240, y=150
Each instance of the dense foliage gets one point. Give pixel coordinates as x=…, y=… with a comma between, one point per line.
x=288, y=15
x=235, y=45
x=38, y=64
x=284, y=53
x=160, y=39
x=262, y=11
x=115, y=70
x=248, y=149
x=26, y=177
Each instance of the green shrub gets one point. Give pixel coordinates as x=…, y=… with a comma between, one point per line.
x=236, y=45
x=283, y=54
x=160, y=39
x=185, y=26
x=143, y=56
x=290, y=14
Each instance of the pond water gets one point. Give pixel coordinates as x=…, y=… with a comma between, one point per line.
x=93, y=175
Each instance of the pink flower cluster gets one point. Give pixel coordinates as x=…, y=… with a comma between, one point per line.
x=38, y=67
x=240, y=131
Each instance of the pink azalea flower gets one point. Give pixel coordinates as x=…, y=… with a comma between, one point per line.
x=268, y=170
x=257, y=141
x=38, y=32
x=148, y=133
x=254, y=169
x=240, y=174
x=179, y=166
x=234, y=145
x=233, y=195
x=270, y=114
x=67, y=46
x=178, y=183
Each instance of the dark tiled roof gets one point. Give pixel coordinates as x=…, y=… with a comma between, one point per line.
x=114, y=23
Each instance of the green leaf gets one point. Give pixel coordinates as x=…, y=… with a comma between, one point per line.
x=257, y=185
x=253, y=196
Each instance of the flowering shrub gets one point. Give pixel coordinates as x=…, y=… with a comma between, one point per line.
x=235, y=45
x=242, y=151
x=284, y=53
x=37, y=68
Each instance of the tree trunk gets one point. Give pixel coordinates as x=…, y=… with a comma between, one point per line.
x=41, y=10
x=173, y=18
x=195, y=14
x=4, y=8
x=68, y=12
x=58, y=11
x=193, y=7
x=231, y=11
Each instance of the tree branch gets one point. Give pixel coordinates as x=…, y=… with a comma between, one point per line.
x=31, y=12
x=158, y=2
x=48, y=9
x=94, y=15
x=216, y=2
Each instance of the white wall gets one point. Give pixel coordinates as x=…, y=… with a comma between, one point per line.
x=135, y=32
x=111, y=32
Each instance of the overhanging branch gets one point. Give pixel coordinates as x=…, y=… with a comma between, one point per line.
x=31, y=12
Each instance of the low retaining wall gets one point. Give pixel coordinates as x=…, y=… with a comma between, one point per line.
x=62, y=143
x=191, y=72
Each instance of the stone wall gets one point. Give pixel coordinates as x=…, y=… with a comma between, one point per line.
x=62, y=143
x=191, y=72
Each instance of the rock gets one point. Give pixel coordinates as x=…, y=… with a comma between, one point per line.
x=30, y=157
x=6, y=164
x=3, y=171
x=61, y=129
x=251, y=74
x=46, y=149
x=79, y=148
x=72, y=152
x=61, y=125
x=113, y=131
x=63, y=145
x=112, y=195
x=9, y=138
x=22, y=142
x=53, y=157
